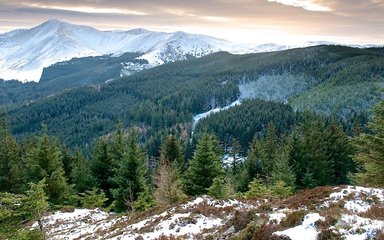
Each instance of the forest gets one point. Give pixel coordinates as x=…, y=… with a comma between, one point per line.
x=39, y=174
x=127, y=146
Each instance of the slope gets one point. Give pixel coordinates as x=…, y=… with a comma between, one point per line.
x=169, y=95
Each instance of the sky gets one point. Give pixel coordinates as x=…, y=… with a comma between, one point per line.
x=247, y=21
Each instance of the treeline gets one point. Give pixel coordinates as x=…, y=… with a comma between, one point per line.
x=120, y=176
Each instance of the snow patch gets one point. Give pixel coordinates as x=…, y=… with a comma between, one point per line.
x=305, y=231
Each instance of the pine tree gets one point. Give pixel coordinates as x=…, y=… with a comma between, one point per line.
x=10, y=161
x=309, y=156
x=268, y=150
x=44, y=161
x=282, y=171
x=235, y=152
x=94, y=198
x=370, y=150
x=219, y=188
x=130, y=175
x=339, y=151
x=172, y=152
x=36, y=203
x=252, y=166
x=168, y=185
x=81, y=173
x=204, y=166
x=102, y=168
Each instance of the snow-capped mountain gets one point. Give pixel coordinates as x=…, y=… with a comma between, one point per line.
x=24, y=53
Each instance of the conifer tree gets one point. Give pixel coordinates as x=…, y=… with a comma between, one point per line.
x=219, y=188
x=370, y=150
x=339, y=151
x=45, y=161
x=171, y=151
x=268, y=149
x=81, y=173
x=252, y=165
x=235, y=152
x=282, y=171
x=102, y=167
x=168, y=184
x=130, y=175
x=204, y=166
x=10, y=161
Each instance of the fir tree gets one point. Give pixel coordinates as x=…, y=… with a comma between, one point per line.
x=252, y=165
x=94, y=198
x=219, y=188
x=370, y=150
x=130, y=175
x=44, y=161
x=204, y=166
x=172, y=152
x=168, y=185
x=102, y=167
x=81, y=173
x=282, y=171
x=10, y=161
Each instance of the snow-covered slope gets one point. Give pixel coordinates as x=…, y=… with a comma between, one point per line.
x=345, y=212
x=24, y=53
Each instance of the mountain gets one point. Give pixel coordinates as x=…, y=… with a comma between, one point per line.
x=335, y=80
x=24, y=53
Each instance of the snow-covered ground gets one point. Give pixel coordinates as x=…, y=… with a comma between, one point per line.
x=197, y=118
x=204, y=216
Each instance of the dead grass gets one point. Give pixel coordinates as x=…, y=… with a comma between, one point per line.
x=293, y=219
x=309, y=198
x=375, y=212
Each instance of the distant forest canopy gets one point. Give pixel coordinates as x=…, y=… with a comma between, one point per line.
x=330, y=80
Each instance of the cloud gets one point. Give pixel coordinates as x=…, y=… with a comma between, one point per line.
x=251, y=20
x=305, y=4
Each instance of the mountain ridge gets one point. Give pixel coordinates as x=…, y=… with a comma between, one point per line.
x=26, y=52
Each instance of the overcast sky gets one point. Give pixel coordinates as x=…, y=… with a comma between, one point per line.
x=252, y=21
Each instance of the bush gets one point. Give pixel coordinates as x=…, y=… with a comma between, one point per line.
x=257, y=190
x=93, y=198
x=218, y=189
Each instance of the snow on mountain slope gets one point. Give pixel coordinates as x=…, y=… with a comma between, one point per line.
x=339, y=212
x=24, y=53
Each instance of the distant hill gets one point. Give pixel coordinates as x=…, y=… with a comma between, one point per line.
x=326, y=79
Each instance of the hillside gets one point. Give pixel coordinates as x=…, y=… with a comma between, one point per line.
x=345, y=212
x=25, y=52
x=325, y=79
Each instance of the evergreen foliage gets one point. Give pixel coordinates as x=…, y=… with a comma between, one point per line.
x=130, y=176
x=94, y=198
x=168, y=185
x=171, y=151
x=204, y=166
x=10, y=165
x=370, y=150
x=219, y=188
x=44, y=161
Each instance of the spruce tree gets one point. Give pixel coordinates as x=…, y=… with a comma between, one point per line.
x=171, y=151
x=282, y=171
x=219, y=188
x=81, y=173
x=252, y=165
x=10, y=161
x=168, y=184
x=204, y=166
x=45, y=161
x=370, y=150
x=130, y=175
x=102, y=169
